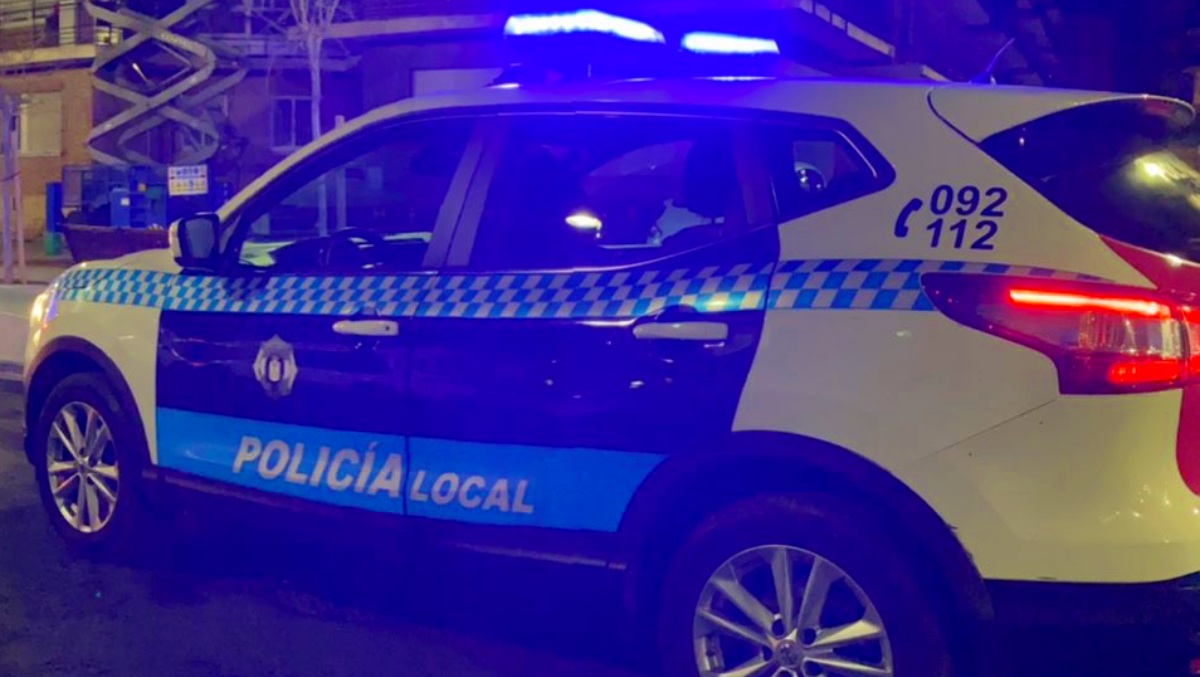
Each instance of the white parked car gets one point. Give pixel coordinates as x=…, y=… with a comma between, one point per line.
x=827, y=371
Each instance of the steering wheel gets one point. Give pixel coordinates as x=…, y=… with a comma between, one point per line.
x=351, y=236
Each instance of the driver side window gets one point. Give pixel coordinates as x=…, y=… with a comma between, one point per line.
x=370, y=206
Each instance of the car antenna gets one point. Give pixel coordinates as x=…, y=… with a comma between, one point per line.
x=988, y=76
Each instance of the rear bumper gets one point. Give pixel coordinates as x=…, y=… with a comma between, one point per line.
x=1150, y=629
x=1084, y=489
x=1173, y=604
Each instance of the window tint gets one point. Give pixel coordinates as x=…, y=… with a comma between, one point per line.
x=1115, y=168
x=374, y=208
x=584, y=190
x=813, y=169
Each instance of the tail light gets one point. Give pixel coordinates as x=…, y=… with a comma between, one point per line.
x=1102, y=338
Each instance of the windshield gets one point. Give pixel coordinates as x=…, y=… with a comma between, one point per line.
x=1119, y=168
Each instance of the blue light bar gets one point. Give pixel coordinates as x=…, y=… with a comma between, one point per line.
x=583, y=21
x=722, y=43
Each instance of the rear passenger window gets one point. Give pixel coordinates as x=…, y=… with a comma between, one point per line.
x=813, y=169
x=589, y=190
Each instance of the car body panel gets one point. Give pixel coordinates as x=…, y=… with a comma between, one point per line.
x=1034, y=484
x=978, y=117
x=123, y=335
x=1083, y=489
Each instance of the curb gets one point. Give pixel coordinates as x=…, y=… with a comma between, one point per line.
x=12, y=377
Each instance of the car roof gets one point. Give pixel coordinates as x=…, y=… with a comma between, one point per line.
x=976, y=110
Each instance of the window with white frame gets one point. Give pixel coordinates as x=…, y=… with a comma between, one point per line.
x=291, y=122
x=40, y=131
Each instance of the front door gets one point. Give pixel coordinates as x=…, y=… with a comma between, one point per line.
x=286, y=373
x=604, y=313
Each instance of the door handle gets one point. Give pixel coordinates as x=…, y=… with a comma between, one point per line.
x=682, y=331
x=367, y=327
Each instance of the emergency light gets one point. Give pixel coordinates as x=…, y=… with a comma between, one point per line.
x=588, y=44
x=722, y=43
x=582, y=21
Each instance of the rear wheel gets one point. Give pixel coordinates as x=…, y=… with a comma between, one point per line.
x=88, y=457
x=795, y=586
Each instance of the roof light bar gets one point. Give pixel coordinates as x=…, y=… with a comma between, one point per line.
x=582, y=21
x=724, y=43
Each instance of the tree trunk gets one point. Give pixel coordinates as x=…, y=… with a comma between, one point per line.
x=8, y=151
x=314, y=74
x=20, y=218
x=340, y=207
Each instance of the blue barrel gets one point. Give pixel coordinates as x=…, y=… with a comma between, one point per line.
x=52, y=241
x=120, y=207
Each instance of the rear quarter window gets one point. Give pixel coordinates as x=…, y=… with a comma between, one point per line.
x=813, y=168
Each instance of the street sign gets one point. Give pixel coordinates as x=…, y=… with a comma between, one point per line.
x=187, y=180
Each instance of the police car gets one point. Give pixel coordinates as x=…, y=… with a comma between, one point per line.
x=829, y=372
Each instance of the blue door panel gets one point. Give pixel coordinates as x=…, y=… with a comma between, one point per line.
x=338, y=467
x=584, y=489
x=256, y=388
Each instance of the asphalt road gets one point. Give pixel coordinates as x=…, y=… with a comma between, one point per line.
x=231, y=604
x=223, y=600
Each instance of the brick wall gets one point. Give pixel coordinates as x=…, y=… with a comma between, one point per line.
x=36, y=172
x=250, y=113
x=387, y=71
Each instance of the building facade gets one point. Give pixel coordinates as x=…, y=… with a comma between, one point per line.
x=46, y=50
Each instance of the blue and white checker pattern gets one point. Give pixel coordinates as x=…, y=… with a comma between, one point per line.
x=863, y=284
x=608, y=294
x=877, y=284
x=599, y=295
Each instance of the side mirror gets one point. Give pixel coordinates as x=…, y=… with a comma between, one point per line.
x=194, y=240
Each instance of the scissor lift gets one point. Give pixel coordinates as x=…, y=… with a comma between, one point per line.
x=168, y=78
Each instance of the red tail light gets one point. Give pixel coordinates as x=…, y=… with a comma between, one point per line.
x=1102, y=338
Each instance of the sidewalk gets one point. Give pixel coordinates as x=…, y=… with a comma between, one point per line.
x=15, y=300
x=41, y=269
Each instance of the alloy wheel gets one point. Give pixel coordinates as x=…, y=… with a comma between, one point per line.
x=81, y=467
x=782, y=611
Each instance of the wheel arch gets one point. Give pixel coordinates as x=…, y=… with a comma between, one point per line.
x=684, y=489
x=65, y=356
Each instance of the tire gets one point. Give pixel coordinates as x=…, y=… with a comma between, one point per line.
x=750, y=535
x=120, y=526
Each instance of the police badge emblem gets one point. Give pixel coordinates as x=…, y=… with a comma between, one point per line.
x=275, y=367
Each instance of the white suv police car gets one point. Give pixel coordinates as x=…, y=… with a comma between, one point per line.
x=829, y=371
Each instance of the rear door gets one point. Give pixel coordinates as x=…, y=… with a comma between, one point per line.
x=286, y=374
x=601, y=309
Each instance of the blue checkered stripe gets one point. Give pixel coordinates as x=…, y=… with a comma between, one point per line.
x=852, y=284
x=608, y=294
x=116, y=287
x=280, y=295
x=877, y=284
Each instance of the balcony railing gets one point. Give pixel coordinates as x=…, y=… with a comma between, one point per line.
x=27, y=25
x=391, y=9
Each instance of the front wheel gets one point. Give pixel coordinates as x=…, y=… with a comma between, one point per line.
x=795, y=586
x=87, y=460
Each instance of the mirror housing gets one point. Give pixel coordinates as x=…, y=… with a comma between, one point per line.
x=195, y=241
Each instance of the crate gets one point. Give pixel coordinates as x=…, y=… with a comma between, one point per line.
x=96, y=243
